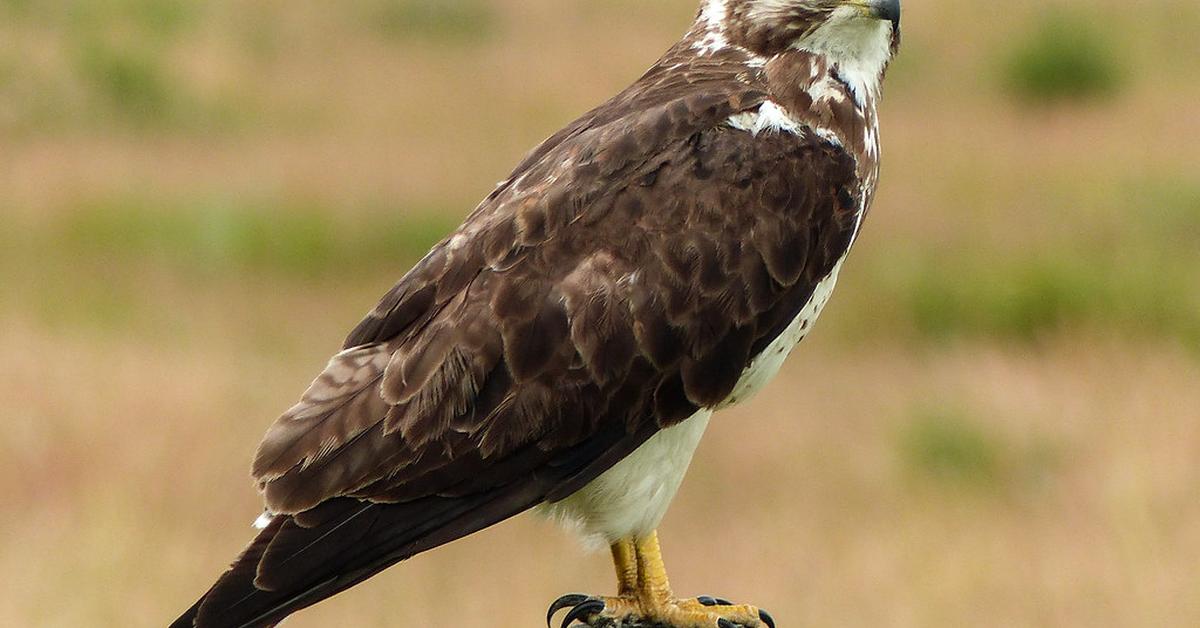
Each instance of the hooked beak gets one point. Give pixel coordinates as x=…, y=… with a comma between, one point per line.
x=886, y=10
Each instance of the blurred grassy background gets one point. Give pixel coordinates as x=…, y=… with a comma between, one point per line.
x=998, y=423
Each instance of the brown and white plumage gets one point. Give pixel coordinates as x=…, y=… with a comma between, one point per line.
x=649, y=263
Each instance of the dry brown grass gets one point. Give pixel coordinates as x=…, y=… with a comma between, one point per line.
x=1060, y=491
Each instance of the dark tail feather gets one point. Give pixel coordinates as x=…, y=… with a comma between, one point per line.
x=242, y=571
x=298, y=561
x=188, y=618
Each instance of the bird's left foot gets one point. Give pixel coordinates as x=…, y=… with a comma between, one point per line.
x=636, y=612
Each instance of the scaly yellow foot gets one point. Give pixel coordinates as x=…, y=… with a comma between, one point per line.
x=645, y=600
x=625, y=612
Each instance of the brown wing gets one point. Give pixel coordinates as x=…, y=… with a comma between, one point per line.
x=622, y=279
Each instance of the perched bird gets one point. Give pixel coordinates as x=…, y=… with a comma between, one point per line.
x=651, y=263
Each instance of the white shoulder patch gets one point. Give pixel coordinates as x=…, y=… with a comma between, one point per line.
x=264, y=520
x=769, y=117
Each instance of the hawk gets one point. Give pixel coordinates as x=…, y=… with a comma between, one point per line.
x=563, y=350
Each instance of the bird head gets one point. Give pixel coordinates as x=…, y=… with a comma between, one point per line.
x=841, y=29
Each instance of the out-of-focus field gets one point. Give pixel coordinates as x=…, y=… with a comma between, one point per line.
x=997, y=423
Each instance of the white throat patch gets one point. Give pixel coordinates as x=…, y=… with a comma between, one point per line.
x=859, y=47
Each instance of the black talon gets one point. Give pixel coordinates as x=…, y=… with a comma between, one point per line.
x=707, y=600
x=567, y=601
x=725, y=623
x=723, y=602
x=766, y=618
x=586, y=609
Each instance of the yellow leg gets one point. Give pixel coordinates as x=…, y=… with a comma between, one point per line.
x=624, y=555
x=644, y=596
x=654, y=589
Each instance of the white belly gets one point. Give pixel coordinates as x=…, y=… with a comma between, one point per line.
x=631, y=498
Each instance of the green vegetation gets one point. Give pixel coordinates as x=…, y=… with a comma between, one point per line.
x=1168, y=209
x=1019, y=299
x=153, y=19
x=166, y=16
x=96, y=260
x=984, y=295
x=460, y=21
x=1134, y=273
x=89, y=299
x=1063, y=59
x=102, y=64
x=15, y=7
x=135, y=84
x=949, y=447
x=216, y=236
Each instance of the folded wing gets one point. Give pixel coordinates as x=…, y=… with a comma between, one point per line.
x=620, y=280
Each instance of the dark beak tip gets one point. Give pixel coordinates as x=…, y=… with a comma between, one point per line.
x=889, y=10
